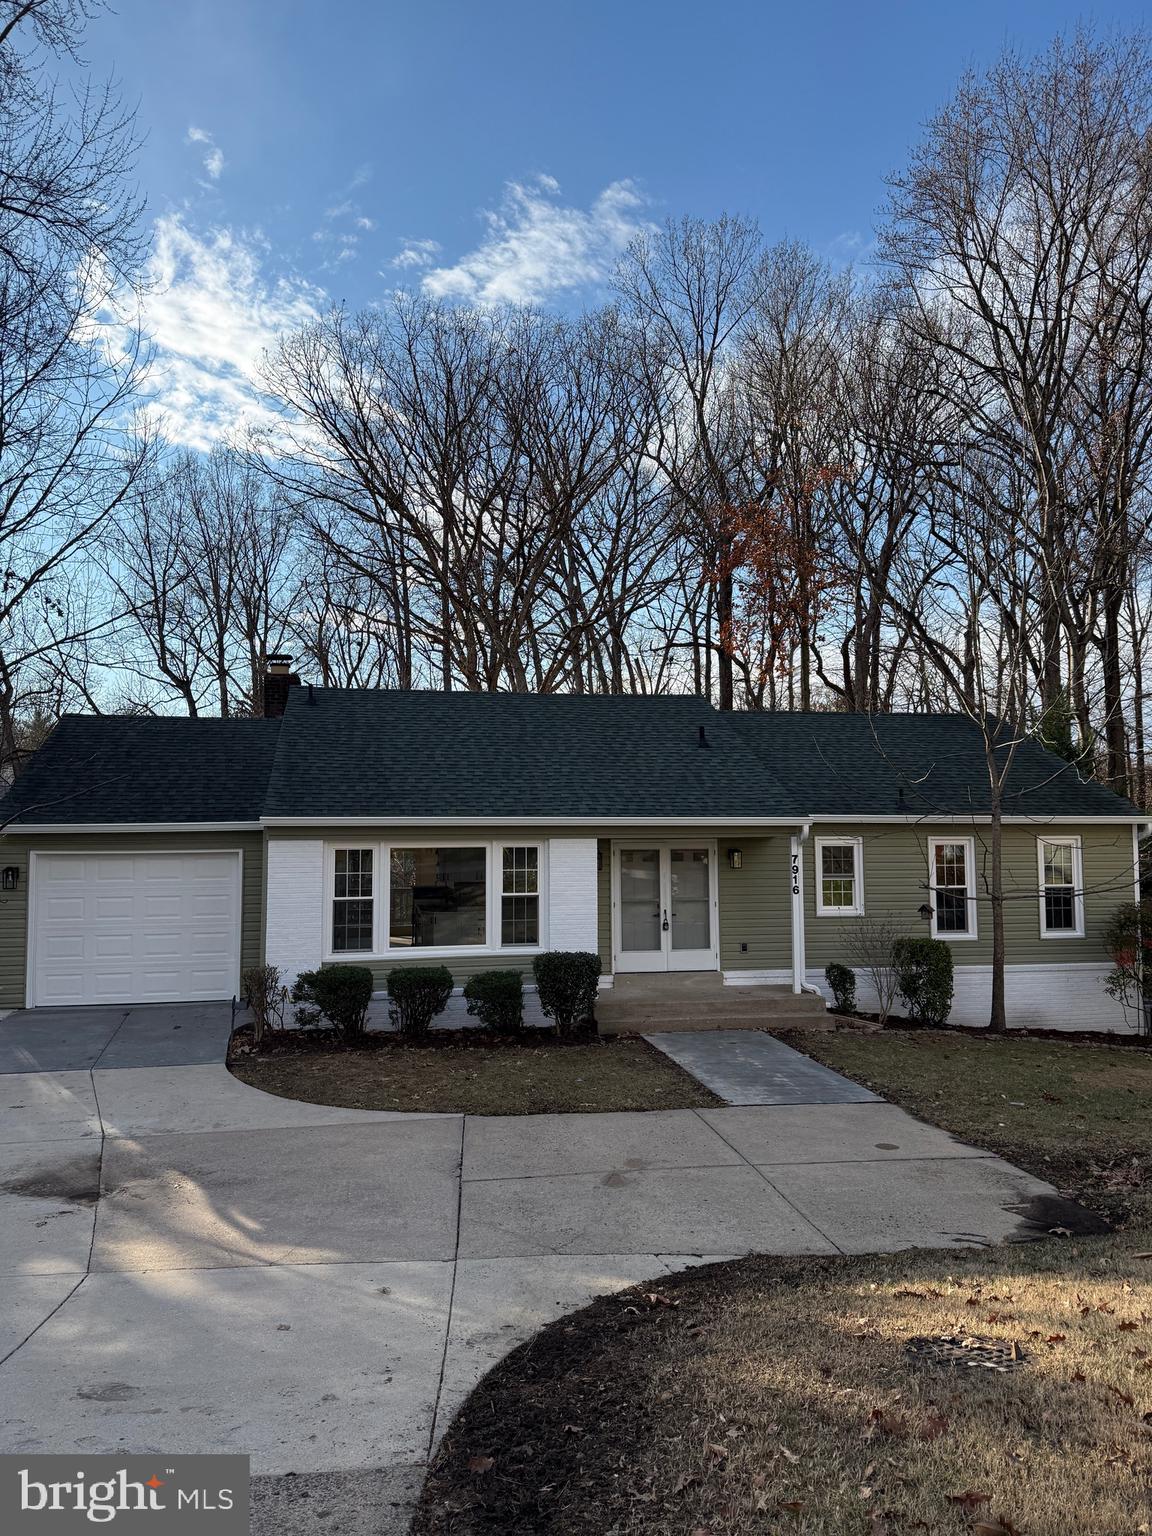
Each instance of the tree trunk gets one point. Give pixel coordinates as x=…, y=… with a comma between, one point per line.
x=998, y=1018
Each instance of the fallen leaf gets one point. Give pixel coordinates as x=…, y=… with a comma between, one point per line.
x=1123, y=1396
x=793, y=1506
x=1079, y=1376
x=686, y=1480
x=1127, y=1327
x=481, y=1463
x=934, y=1426
x=791, y=1455
x=887, y=1423
x=969, y=1499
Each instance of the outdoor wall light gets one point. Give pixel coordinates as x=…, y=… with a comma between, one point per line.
x=10, y=878
x=925, y=911
x=735, y=858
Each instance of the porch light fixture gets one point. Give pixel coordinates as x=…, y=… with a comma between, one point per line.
x=735, y=858
x=10, y=878
x=925, y=911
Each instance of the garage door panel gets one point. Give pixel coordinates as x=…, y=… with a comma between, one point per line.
x=134, y=928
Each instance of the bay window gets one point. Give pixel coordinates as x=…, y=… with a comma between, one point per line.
x=443, y=898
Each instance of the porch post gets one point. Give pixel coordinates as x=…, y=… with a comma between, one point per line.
x=796, y=883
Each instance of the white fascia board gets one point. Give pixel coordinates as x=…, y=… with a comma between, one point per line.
x=589, y=823
x=982, y=819
x=22, y=828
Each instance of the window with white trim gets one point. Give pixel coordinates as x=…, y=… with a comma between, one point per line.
x=1061, y=888
x=952, y=878
x=520, y=895
x=840, y=877
x=353, y=904
x=436, y=898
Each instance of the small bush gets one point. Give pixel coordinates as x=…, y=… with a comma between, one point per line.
x=567, y=981
x=496, y=998
x=416, y=994
x=267, y=997
x=338, y=993
x=924, y=977
x=841, y=980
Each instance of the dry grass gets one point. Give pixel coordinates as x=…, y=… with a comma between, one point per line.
x=775, y=1395
x=474, y=1078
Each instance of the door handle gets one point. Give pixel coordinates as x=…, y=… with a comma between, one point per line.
x=664, y=925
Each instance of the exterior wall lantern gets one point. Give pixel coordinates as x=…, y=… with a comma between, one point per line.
x=10, y=877
x=735, y=858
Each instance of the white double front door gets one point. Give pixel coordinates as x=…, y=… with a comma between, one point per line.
x=664, y=906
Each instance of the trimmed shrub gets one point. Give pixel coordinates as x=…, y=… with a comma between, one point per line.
x=567, y=981
x=924, y=977
x=338, y=993
x=496, y=998
x=416, y=994
x=841, y=980
x=267, y=997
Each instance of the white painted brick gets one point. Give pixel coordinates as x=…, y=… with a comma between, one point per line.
x=572, y=893
x=295, y=924
x=1036, y=997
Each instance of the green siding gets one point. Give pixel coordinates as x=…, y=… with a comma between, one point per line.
x=604, y=904
x=755, y=904
x=14, y=849
x=896, y=884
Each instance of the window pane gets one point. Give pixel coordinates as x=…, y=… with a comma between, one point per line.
x=352, y=925
x=951, y=912
x=353, y=872
x=521, y=871
x=691, y=899
x=839, y=859
x=838, y=893
x=1059, y=909
x=520, y=920
x=951, y=865
x=640, y=899
x=1058, y=864
x=438, y=897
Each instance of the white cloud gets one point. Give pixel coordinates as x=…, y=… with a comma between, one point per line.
x=211, y=311
x=213, y=156
x=536, y=247
x=416, y=253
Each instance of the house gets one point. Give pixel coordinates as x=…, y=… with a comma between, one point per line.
x=153, y=859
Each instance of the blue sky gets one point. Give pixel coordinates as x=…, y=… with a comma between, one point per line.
x=298, y=154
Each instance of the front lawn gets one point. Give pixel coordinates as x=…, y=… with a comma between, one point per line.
x=463, y=1072
x=771, y=1396
x=1077, y=1115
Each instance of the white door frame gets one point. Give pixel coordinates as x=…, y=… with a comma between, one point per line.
x=666, y=958
x=104, y=853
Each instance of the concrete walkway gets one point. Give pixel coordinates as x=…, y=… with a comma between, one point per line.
x=750, y=1067
x=189, y=1264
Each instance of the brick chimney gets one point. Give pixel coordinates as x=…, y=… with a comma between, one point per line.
x=278, y=678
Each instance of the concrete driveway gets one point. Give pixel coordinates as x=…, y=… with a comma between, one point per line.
x=189, y=1264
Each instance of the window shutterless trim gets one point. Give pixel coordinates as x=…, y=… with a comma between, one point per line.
x=1077, y=887
x=969, y=845
x=382, y=899
x=857, y=846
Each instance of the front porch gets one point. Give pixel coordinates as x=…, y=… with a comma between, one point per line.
x=694, y=1000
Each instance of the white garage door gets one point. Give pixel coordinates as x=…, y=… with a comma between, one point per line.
x=142, y=927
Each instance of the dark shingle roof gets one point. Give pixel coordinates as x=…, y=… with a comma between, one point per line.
x=845, y=764
x=161, y=768
x=364, y=753
x=355, y=752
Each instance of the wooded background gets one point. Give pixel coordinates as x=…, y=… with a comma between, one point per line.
x=924, y=484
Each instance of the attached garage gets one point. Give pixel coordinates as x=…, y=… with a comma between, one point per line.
x=133, y=927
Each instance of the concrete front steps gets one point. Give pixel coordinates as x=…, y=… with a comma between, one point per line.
x=691, y=1000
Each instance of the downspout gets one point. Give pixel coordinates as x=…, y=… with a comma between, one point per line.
x=796, y=881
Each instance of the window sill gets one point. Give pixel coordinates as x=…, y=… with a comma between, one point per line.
x=427, y=952
x=1062, y=933
x=839, y=911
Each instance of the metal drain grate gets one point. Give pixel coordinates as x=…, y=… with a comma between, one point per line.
x=967, y=1352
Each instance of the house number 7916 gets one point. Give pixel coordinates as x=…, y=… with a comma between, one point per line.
x=795, y=874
